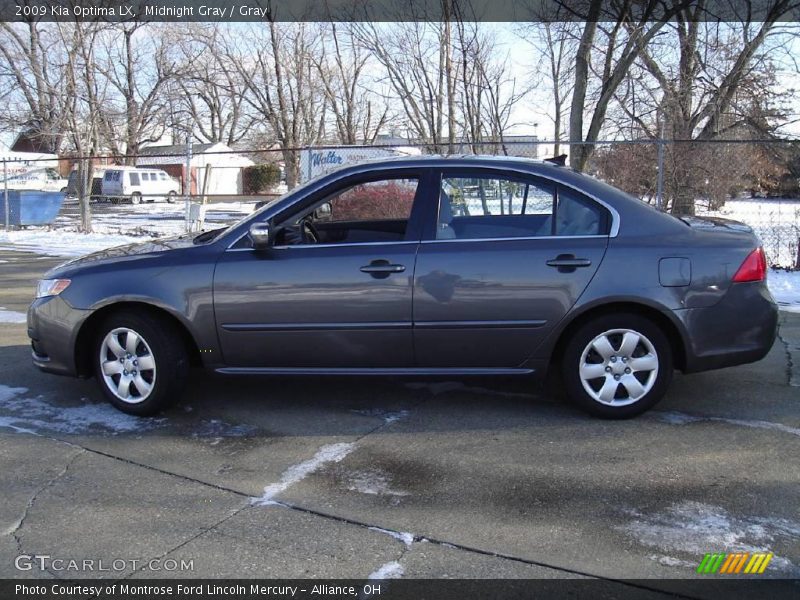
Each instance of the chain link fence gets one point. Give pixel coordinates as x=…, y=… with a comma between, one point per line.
x=169, y=190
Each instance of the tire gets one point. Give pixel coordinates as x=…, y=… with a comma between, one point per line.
x=136, y=198
x=171, y=197
x=611, y=347
x=151, y=389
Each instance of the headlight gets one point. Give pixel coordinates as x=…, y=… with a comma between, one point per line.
x=51, y=287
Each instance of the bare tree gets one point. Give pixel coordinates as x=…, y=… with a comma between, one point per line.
x=613, y=44
x=31, y=67
x=700, y=66
x=358, y=113
x=212, y=90
x=416, y=58
x=283, y=86
x=136, y=61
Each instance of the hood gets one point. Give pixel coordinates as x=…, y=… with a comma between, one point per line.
x=716, y=224
x=129, y=251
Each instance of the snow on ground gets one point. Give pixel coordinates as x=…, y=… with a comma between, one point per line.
x=401, y=536
x=12, y=316
x=25, y=414
x=63, y=243
x=785, y=288
x=326, y=454
x=374, y=482
x=679, y=418
x=696, y=528
x=391, y=570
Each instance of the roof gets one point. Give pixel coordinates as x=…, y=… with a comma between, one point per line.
x=177, y=149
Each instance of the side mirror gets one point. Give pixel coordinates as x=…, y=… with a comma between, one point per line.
x=259, y=235
x=323, y=211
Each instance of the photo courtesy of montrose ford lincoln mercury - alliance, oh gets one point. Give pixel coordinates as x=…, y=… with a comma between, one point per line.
x=420, y=266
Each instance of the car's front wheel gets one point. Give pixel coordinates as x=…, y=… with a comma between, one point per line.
x=617, y=366
x=141, y=362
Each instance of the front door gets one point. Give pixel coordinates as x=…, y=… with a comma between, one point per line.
x=509, y=257
x=335, y=289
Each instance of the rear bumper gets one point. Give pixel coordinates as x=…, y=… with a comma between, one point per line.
x=52, y=328
x=739, y=329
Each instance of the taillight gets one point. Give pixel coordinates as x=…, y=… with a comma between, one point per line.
x=754, y=267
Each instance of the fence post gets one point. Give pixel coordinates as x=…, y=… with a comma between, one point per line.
x=660, y=184
x=5, y=194
x=187, y=184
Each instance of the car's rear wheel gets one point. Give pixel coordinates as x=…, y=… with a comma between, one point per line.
x=141, y=362
x=617, y=366
x=171, y=197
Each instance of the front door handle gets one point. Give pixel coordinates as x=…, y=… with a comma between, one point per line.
x=567, y=263
x=382, y=268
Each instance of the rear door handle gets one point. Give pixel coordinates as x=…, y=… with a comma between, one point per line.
x=382, y=268
x=567, y=263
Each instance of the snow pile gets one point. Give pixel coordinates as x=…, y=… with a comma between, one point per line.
x=785, y=288
x=295, y=473
x=697, y=528
x=401, y=536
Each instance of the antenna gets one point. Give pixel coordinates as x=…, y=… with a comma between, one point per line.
x=560, y=160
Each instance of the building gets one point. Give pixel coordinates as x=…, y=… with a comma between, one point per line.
x=216, y=169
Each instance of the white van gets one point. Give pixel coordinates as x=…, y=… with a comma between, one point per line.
x=137, y=184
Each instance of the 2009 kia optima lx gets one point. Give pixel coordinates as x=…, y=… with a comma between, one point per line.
x=420, y=266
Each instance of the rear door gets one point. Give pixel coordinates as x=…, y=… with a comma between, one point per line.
x=508, y=257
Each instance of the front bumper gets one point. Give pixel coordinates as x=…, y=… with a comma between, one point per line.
x=739, y=329
x=53, y=327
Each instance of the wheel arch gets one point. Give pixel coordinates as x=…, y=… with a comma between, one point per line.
x=83, y=341
x=666, y=323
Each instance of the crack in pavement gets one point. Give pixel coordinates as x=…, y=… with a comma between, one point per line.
x=14, y=530
x=362, y=524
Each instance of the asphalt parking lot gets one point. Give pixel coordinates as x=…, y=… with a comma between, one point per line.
x=294, y=477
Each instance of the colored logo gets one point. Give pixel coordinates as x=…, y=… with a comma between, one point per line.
x=734, y=563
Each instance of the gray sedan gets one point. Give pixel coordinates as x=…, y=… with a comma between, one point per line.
x=420, y=266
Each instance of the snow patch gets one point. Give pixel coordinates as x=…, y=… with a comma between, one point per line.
x=295, y=473
x=12, y=316
x=401, y=536
x=388, y=416
x=391, y=570
x=671, y=561
x=373, y=481
x=696, y=528
x=217, y=429
x=679, y=418
x=785, y=288
x=34, y=415
x=63, y=243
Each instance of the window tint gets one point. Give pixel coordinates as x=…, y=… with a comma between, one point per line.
x=162, y=176
x=373, y=201
x=494, y=207
x=145, y=176
x=577, y=215
x=508, y=207
x=134, y=178
x=376, y=211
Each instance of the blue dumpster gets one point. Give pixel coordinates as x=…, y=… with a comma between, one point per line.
x=29, y=207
